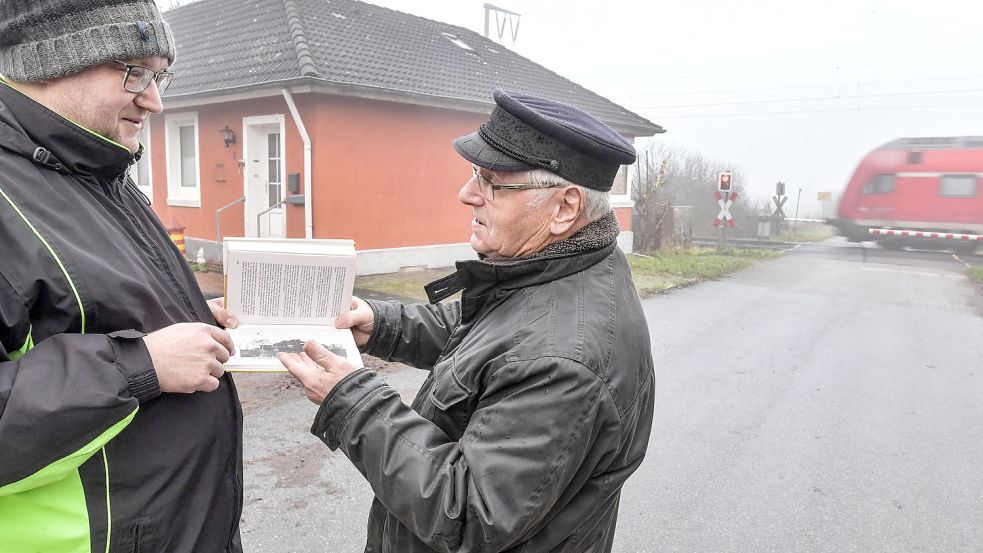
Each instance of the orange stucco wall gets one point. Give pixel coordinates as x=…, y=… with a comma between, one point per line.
x=624, y=217
x=384, y=173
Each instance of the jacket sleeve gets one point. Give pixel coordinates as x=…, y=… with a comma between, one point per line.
x=413, y=334
x=535, y=424
x=63, y=398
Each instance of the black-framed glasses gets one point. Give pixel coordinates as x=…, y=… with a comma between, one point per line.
x=488, y=188
x=137, y=78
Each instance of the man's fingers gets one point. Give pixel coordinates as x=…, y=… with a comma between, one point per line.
x=223, y=338
x=349, y=319
x=230, y=320
x=216, y=369
x=360, y=314
x=341, y=321
x=209, y=385
x=320, y=354
x=221, y=354
x=297, y=366
x=222, y=316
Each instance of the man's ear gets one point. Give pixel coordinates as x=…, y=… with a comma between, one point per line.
x=568, y=212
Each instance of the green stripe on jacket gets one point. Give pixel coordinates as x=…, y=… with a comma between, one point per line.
x=47, y=510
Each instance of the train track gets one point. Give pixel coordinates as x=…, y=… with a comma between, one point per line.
x=747, y=243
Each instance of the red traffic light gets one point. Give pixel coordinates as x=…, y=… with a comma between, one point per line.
x=724, y=182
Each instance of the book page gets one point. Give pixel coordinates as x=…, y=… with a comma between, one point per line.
x=257, y=345
x=322, y=246
x=282, y=288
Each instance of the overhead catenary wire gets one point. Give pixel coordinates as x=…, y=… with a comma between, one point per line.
x=813, y=99
x=857, y=84
x=820, y=110
x=822, y=68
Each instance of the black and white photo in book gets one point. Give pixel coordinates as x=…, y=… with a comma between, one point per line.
x=257, y=346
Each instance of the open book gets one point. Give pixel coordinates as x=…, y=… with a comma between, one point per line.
x=285, y=292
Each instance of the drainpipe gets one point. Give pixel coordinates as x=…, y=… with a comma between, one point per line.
x=308, y=216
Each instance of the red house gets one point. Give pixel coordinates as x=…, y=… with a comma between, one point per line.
x=304, y=118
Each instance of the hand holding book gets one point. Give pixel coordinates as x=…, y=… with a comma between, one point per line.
x=359, y=319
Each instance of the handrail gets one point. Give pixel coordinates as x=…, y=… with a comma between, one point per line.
x=218, y=222
x=259, y=223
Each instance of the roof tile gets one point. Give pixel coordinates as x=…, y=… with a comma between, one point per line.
x=230, y=43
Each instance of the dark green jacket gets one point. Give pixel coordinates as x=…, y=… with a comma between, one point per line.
x=93, y=458
x=537, y=409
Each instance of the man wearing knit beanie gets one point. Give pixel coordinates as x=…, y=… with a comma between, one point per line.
x=119, y=430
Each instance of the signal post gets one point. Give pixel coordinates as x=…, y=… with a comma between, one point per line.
x=725, y=196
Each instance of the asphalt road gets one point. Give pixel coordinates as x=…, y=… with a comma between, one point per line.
x=829, y=400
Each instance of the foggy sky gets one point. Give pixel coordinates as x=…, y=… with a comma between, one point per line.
x=857, y=74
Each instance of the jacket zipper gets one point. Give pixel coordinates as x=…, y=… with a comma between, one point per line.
x=161, y=260
x=159, y=257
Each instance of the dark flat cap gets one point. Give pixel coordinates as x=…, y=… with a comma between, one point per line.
x=525, y=132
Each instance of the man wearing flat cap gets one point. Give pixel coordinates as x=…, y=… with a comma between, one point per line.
x=541, y=390
x=119, y=431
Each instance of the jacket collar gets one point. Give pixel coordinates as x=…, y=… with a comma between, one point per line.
x=482, y=281
x=69, y=146
x=586, y=247
x=491, y=282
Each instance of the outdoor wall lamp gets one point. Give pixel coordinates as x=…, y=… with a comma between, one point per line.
x=228, y=135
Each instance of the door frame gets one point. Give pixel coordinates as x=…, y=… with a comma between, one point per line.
x=279, y=119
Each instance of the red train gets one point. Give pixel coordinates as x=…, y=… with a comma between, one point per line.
x=925, y=184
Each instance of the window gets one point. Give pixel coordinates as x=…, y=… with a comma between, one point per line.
x=273, y=174
x=879, y=184
x=621, y=190
x=183, y=171
x=141, y=173
x=959, y=186
x=914, y=157
x=620, y=186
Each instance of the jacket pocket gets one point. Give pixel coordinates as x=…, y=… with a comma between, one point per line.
x=137, y=545
x=136, y=535
x=449, y=396
x=448, y=391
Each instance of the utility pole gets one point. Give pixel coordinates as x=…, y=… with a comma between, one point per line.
x=796, y=220
x=503, y=17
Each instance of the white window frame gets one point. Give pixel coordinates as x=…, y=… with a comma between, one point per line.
x=630, y=176
x=624, y=200
x=143, y=166
x=177, y=195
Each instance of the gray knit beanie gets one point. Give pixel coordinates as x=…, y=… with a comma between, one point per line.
x=44, y=39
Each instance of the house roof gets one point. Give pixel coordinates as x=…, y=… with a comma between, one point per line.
x=226, y=45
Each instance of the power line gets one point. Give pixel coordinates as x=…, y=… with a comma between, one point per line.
x=813, y=99
x=826, y=68
x=829, y=110
x=800, y=87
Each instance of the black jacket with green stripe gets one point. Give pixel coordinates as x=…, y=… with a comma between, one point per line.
x=93, y=457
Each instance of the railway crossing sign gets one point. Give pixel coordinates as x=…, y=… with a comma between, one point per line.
x=779, y=202
x=725, y=201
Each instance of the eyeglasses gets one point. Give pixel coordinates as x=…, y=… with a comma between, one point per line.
x=137, y=78
x=488, y=188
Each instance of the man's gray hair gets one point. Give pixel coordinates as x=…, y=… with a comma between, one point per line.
x=596, y=203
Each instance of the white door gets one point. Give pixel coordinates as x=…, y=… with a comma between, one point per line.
x=264, y=180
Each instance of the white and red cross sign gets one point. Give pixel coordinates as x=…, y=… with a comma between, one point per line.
x=725, y=201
